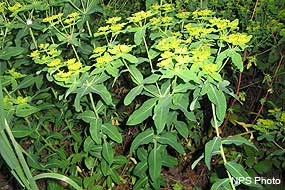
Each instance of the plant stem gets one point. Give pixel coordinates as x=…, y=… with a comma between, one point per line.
x=221, y=147
x=150, y=62
x=33, y=38
x=93, y=105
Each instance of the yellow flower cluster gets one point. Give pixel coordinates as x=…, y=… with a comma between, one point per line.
x=54, y=63
x=210, y=68
x=101, y=61
x=99, y=50
x=2, y=7
x=22, y=100
x=73, y=65
x=139, y=16
x=15, y=74
x=168, y=43
x=199, y=55
x=283, y=117
x=237, y=39
x=15, y=7
x=266, y=122
x=183, y=15
x=120, y=49
x=52, y=18
x=113, y=20
x=71, y=18
x=220, y=23
x=202, y=13
x=198, y=31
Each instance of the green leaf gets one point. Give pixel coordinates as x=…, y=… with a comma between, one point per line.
x=95, y=128
x=210, y=147
x=9, y=52
x=115, y=176
x=217, y=97
x=104, y=168
x=142, y=113
x=160, y=110
x=88, y=116
x=112, y=132
x=139, y=35
x=182, y=129
x=151, y=79
x=89, y=162
x=136, y=74
x=154, y=164
x=221, y=184
x=108, y=153
x=103, y=92
x=237, y=140
x=132, y=94
x=171, y=139
x=220, y=58
x=141, y=183
x=58, y=177
x=236, y=170
x=24, y=110
x=145, y=137
x=130, y=58
x=183, y=88
x=26, y=82
x=236, y=59
x=140, y=168
x=22, y=131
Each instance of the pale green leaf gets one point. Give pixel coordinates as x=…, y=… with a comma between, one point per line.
x=142, y=113
x=210, y=147
x=145, y=137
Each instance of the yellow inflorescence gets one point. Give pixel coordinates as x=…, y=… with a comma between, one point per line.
x=120, y=49
x=103, y=59
x=237, y=39
x=2, y=7
x=15, y=74
x=54, y=63
x=202, y=13
x=52, y=18
x=15, y=7
x=139, y=16
x=113, y=20
x=22, y=100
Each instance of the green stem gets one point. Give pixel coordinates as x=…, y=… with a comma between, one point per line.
x=93, y=105
x=75, y=52
x=221, y=147
x=150, y=62
x=33, y=38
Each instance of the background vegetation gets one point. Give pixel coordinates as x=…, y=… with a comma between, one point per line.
x=151, y=94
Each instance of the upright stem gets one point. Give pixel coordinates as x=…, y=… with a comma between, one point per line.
x=150, y=62
x=93, y=105
x=221, y=147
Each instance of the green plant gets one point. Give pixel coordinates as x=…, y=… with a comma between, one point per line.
x=109, y=99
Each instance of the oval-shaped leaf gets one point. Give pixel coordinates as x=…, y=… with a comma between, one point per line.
x=132, y=94
x=154, y=164
x=171, y=139
x=237, y=140
x=142, y=113
x=142, y=138
x=95, y=128
x=108, y=153
x=112, y=132
x=210, y=147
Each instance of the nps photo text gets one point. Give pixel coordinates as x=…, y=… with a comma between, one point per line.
x=256, y=180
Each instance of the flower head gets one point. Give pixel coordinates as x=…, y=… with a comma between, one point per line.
x=15, y=7
x=113, y=20
x=237, y=39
